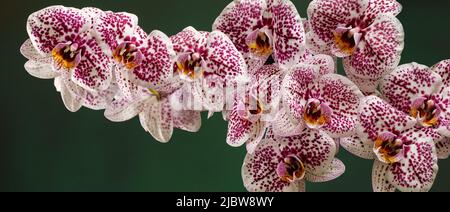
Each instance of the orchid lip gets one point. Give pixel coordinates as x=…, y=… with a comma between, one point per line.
x=128, y=55
x=426, y=111
x=291, y=169
x=316, y=114
x=347, y=39
x=388, y=148
x=260, y=43
x=250, y=109
x=66, y=55
x=190, y=66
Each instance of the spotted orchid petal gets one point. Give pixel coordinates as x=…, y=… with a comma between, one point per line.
x=189, y=40
x=443, y=99
x=100, y=100
x=94, y=71
x=419, y=168
x=407, y=83
x=157, y=119
x=239, y=19
x=124, y=109
x=184, y=118
x=242, y=130
x=223, y=57
x=443, y=69
x=443, y=149
x=376, y=7
x=379, y=178
x=326, y=63
x=358, y=147
x=325, y=16
x=365, y=85
x=40, y=70
x=156, y=69
x=377, y=116
x=288, y=33
x=259, y=171
x=286, y=125
x=54, y=25
x=295, y=88
x=380, y=51
x=72, y=102
x=31, y=53
x=314, y=148
x=114, y=28
x=343, y=97
x=335, y=170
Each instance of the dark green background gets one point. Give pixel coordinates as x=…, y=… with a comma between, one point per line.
x=43, y=147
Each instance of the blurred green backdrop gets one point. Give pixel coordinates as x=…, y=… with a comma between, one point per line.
x=43, y=147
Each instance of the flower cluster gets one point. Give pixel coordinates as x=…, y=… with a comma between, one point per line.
x=272, y=75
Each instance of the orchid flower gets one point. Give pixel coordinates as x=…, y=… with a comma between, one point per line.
x=424, y=94
x=283, y=164
x=144, y=73
x=261, y=29
x=365, y=33
x=405, y=155
x=62, y=47
x=210, y=63
x=254, y=111
x=316, y=98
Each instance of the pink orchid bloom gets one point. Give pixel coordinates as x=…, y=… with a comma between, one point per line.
x=365, y=33
x=62, y=47
x=255, y=110
x=316, y=98
x=405, y=155
x=144, y=74
x=264, y=28
x=424, y=94
x=284, y=164
x=210, y=63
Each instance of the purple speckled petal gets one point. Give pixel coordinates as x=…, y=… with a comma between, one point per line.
x=377, y=116
x=29, y=51
x=56, y=24
x=156, y=69
x=443, y=69
x=380, y=51
x=379, y=178
x=326, y=15
x=358, y=147
x=443, y=148
x=335, y=170
x=313, y=147
x=189, y=40
x=419, y=168
x=296, y=86
x=223, y=58
x=407, y=83
x=40, y=70
x=72, y=102
x=113, y=28
x=100, y=100
x=241, y=130
x=256, y=138
x=157, y=119
x=343, y=97
x=123, y=109
x=288, y=33
x=259, y=170
x=239, y=19
x=444, y=119
x=94, y=72
x=187, y=120
x=287, y=125
x=365, y=85
x=376, y=7
x=326, y=63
